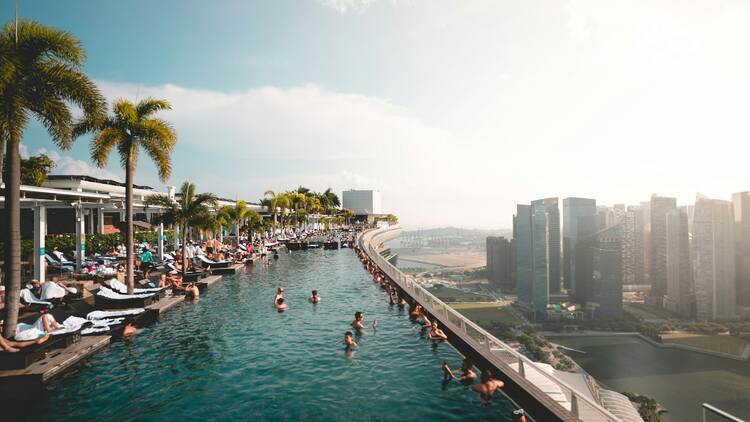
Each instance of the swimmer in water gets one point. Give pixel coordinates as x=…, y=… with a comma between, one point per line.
x=447, y=373
x=279, y=294
x=359, y=321
x=436, y=333
x=488, y=386
x=349, y=340
x=280, y=305
x=314, y=297
x=468, y=372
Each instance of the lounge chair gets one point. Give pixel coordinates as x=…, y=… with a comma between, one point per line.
x=29, y=298
x=191, y=276
x=106, y=298
x=57, y=266
x=215, y=264
x=119, y=287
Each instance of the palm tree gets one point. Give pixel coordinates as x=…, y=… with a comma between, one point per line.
x=40, y=77
x=347, y=214
x=298, y=201
x=333, y=199
x=132, y=127
x=190, y=210
x=273, y=203
x=238, y=214
x=284, y=203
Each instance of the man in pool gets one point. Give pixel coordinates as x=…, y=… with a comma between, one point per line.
x=314, y=297
x=280, y=305
x=349, y=341
x=279, y=294
x=359, y=321
x=488, y=386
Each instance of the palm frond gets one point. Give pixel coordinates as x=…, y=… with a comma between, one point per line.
x=149, y=106
x=102, y=144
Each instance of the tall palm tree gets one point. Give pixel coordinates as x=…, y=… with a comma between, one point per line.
x=190, y=210
x=298, y=201
x=132, y=127
x=284, y=203
x=347, y=214
x=273, y=204
x=333, y=199
x=238, y=213
x=40, y=77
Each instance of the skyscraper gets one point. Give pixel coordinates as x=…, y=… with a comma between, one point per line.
x=607, y=259
x=679, y=273
x=501, y=262
x=573, y=210
x=545, y=216
x=714, y=259
x=522, y=233
x=660, y=206
x=741, y=203
x=632, y=246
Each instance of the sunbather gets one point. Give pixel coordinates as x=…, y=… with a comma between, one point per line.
x=13, y=346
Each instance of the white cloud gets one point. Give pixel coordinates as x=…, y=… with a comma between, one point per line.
x=65, y=164
x=344, y=6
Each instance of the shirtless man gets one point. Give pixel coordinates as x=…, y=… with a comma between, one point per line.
x=280, y=305
x=349, y=340
x=359, y=321
x=468, y=372
x=12, y=346
x=436, y=333
x=314, y=297
x=488, y=386
x=279, y=294
x=192, y=291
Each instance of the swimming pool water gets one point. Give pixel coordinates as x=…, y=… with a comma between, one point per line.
x=231, y=356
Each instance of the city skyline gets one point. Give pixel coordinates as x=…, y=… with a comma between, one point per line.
x=622, y=100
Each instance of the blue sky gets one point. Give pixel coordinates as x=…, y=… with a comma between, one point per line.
x=444, y=106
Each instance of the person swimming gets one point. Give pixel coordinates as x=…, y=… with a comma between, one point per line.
x=488, y=386
x=349, y=340
x=279, y=294
x=436, y=333
x=314, y=297
x=359, y=321
x=280, y=305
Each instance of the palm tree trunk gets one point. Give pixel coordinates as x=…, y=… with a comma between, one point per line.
x=13, y=242
x=183, y=228
x=129, y=223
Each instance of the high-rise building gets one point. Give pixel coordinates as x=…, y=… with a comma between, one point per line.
x=545, y=216
x=501, y=262
x=660, y=206
x=606, y=262
x=679, y=272
x=741, y=203
x=574, y=209
x=522, y=234
x=632, y=246
x=714, y=259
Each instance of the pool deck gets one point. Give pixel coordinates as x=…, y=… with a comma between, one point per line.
x=232, y=269
x=21, y=382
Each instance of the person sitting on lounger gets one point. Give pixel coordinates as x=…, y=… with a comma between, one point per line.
x=280, y=305
x=349, y=342
x=12, y=346
x=314, y=297
x=436, y=333
x=120, y=275
x=359, y=321
x=488, y=386
x=46, y=322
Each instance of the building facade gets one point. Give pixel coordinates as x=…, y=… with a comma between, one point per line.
x=362, y=202
x=522, y=234
x=679, y=295
x=714, y=259
x=659, y=208
x=545, y=215
x=741, y=204
x=574, y=209
x=606, y=264
x=501, y=263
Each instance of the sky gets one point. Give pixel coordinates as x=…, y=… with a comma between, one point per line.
x=455, y=110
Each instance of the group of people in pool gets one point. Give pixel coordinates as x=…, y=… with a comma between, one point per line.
x=280, y=304
x=488, y=383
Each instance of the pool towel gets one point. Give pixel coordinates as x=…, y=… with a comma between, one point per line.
x=111, y=294
x=94, y=315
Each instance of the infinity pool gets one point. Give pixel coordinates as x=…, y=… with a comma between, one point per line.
x=231, y=356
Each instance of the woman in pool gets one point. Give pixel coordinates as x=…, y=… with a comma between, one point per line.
x=415, y=311
x=425, y=319
x=436, y=333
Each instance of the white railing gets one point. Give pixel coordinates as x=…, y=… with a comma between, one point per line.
x=708, y=409
x=579, y=405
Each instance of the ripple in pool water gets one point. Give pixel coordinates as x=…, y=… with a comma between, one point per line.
x=230, y=356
